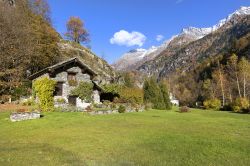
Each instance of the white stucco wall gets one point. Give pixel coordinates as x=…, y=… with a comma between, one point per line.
x=81, y=104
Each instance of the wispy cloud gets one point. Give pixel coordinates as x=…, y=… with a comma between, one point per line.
x=159, y=38
x=125, y=38
x=179, y=1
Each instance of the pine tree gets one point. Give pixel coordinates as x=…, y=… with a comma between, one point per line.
x=153, y=94
x=165, y=95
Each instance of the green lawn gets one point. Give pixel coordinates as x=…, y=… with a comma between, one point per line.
x=202, y=138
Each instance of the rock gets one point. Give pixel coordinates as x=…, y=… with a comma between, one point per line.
x=109, y=112
x=100, y=112
x=20, y=116
x=92, y=113
x=115, y=111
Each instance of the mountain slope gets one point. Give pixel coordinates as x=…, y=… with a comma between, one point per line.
x=220, y=39
x=135, y=58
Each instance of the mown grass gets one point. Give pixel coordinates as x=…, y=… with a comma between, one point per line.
x=147, y=138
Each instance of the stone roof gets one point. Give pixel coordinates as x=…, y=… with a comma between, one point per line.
x=61, y=64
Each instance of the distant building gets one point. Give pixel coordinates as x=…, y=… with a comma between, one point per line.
x=173, y=100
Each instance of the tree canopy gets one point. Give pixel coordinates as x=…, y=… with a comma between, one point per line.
x=76, y=30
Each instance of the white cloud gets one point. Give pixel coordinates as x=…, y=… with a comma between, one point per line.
x=159, y=37
x=178, y=1
x=128, y=39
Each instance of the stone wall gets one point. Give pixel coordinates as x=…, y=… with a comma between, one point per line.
x=20, y=116
x=80, y=77
x=111, y=112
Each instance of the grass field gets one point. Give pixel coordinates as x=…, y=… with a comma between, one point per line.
x=202, y=138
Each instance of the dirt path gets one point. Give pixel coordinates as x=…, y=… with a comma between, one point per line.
x=12, y=107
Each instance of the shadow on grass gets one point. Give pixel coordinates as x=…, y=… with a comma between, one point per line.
x=238, y=112
x=38, y=154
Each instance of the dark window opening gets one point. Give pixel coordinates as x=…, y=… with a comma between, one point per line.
x=72, y=100
x=58, y=89
x=108, y=96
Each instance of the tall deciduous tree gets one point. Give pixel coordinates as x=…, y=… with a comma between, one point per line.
x=27, y=43
x=244, y=72
x=76, y=30
x=233, y=71
x=219, y=77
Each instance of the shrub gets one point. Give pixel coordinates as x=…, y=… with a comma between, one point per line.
x=241, y=105
x=4, y=98
x=112, y=88
x=28, y=102
x=44, y=89
x=184, y=109
x=89, y=109
x=148, y=106
x=23, y=90
x=214, y=104
x=84, y=91
x=121, y=109
x=131, y=95
x=107, y=103
x=68, y=109
x=61, y=100
x=227, y=107
x=72, y=83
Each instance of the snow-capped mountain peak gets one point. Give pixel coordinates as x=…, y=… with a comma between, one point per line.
x=242, y=11
x=201, y=32
x=132, y=59
x=196, y=32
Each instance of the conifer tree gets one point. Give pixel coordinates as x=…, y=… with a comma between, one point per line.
x=165, y=95
x=153, y=94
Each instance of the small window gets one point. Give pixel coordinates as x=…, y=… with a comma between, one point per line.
x=72, y=79
x=71, y=76
x=58, y=89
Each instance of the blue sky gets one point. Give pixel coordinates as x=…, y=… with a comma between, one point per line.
x=141, y=20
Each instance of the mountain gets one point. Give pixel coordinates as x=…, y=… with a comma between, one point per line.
x=134, y=58
x=137, y=57
x=194, y=45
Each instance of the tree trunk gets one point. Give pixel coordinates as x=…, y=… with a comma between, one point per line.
x=238, y=84
x=244, y=85
x=222, y=86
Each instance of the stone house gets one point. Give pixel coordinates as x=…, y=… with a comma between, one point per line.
x=68, y=74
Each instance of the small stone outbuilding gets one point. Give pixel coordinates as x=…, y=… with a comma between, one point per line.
x=68, y=74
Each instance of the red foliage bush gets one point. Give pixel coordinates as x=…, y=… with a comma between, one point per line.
x=184, y=109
